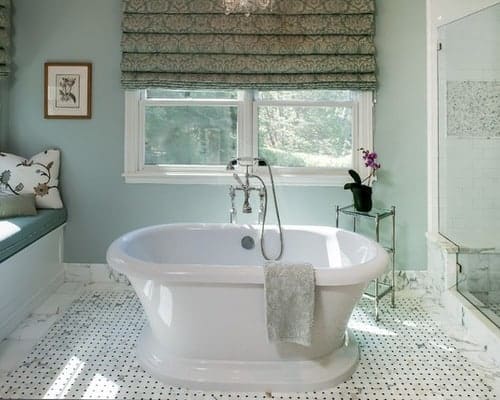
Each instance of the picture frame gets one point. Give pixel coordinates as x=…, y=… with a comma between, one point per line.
x=68, y=90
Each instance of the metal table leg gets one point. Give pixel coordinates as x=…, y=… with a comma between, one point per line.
x=377, y=235
x=393, y=294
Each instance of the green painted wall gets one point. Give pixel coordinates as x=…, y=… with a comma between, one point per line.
x=101, y=206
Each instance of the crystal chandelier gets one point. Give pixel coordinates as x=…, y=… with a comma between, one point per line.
x=246, y=6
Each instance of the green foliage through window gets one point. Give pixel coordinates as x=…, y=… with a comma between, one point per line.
x=306, y=136
x=294, y=128
x=190, y=135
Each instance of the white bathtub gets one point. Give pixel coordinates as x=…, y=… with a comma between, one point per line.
x=203, y=295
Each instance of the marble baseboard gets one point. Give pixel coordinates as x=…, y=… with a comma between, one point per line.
x=92, y=273
x=408, y=283
x=407, y=280
x=102, y=273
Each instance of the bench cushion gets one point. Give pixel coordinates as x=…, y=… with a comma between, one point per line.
x=19, y=232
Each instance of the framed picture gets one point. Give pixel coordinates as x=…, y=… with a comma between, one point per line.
x=68, y=90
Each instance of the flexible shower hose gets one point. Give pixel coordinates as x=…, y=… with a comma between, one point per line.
x=262, y=247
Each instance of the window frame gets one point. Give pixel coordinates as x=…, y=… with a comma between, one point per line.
x=135, y=171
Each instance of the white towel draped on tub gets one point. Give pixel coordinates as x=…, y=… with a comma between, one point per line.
x=289, y=290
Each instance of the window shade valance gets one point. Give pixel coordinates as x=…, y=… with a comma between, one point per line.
x=4, y=38
x=298, y=44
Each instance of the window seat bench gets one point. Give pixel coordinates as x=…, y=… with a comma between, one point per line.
x=19, y=232
x=31, y=266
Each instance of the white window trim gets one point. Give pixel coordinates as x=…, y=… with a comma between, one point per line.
x=136, y=172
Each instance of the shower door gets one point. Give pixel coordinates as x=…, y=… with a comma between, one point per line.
x=469, y=153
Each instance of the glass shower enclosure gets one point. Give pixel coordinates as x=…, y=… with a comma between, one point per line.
x=469, y=153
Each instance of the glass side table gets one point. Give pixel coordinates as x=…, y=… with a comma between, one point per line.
x=376, y=289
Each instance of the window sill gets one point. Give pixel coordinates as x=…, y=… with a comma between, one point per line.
x=225, y=178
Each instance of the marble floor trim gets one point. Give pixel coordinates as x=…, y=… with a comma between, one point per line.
x=80, y=344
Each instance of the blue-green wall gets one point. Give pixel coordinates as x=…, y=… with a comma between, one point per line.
x=101, y=206
x=4, y=116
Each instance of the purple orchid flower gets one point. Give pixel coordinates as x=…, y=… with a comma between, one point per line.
x=370, y=161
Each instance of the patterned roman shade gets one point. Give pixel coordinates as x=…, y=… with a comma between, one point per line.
x=4, y=38
x=298, y=44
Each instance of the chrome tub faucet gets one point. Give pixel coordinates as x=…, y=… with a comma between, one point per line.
x=246, y=188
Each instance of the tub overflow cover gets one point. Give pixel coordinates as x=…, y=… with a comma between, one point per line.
x=247, y=242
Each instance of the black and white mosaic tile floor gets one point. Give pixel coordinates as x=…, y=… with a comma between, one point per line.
x=89, y=353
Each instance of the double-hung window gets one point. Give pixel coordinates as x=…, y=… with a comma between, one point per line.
x=188, y=136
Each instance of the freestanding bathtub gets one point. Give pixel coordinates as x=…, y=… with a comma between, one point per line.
x=203, y=295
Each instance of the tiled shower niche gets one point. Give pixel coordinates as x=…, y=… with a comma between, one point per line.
x=473, y=109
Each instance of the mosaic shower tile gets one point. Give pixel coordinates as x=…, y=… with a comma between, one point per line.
x=473, y=109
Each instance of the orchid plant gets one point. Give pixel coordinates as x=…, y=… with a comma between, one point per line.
x=370, y=160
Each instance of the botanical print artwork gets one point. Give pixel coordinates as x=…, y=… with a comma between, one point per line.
x=68, y=91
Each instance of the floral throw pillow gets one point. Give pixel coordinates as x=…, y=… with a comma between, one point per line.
x=38, y=175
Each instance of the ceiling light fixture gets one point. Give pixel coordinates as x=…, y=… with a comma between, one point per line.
x=246, y=6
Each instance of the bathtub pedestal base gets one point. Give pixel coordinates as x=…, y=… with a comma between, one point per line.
x=261, y=376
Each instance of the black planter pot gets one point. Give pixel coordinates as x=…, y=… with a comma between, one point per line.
x=362, y=196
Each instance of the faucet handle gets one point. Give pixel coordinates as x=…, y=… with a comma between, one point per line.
x=238, y=179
